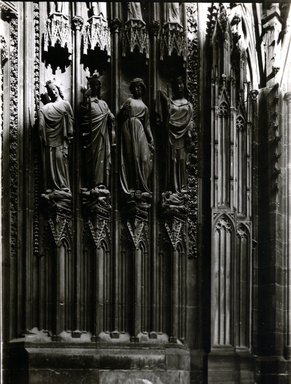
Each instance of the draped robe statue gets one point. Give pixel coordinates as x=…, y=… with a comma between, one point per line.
x=136, y=142
x=96, y=120
x=177, y=114
x=56, y=129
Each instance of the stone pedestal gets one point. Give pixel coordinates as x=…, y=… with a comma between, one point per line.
x=227, y=366
x=86, y=363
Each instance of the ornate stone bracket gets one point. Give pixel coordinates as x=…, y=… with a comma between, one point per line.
x=97, y=210
x=78, y=23
x=136, y=229
x=60, y=226
x=174, y=229
x=135, y=36
x=96, y=35
x=99, y=230
x=58, y=31
x=172, y=39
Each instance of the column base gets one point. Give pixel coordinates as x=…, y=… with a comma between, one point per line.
x=273, y=370
x=227, y=365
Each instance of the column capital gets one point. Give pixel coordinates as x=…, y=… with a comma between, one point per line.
x=254, y=94
x=115, y=25
x=78, y=22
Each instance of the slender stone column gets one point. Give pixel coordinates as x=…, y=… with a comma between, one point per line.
x=288, y=230
x=115, y=81
x=60, y=300
x=153, y=79
x=77, y=24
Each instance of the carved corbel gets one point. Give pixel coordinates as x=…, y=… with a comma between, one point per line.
x=99, y=229
x=60, y=226
x=97, y=210
x=115, y=25
x=136, y=228
x=174, y=228
x=78, y=23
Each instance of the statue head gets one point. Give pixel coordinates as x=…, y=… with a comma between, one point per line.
x=95, y=85
x=179, y=87
x=53, y=90
x=137, y=87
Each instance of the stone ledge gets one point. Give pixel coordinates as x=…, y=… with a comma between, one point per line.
x=60, y=363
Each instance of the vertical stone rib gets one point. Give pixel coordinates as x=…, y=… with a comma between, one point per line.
x=153, y=80
x=76, y=96
x=288, y=232
x=115, y=86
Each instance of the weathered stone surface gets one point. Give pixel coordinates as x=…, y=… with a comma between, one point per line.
x=87, y=363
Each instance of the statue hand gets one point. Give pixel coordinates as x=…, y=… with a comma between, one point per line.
x=127, y=108
x=152, y=147
x=111, y=116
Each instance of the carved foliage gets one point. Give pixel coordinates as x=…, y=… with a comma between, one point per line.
x=193, y=86
x=13, y=135
x=36, y=154
x=3, y=50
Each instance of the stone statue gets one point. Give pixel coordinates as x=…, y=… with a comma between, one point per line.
x=56, y=131
x=97, y=8
x=96, y=119
x=173, y=13
x=134, y=11
x=177, y=116
x=58, y=7
x=136, y=141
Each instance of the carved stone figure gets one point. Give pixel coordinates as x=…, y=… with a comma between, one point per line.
x=136, y=141
x=58, y=7
x=96, y=121
x=97, y=8
x=56, y=131
x=134, y=11
x=177, y=113
x=173, y=13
